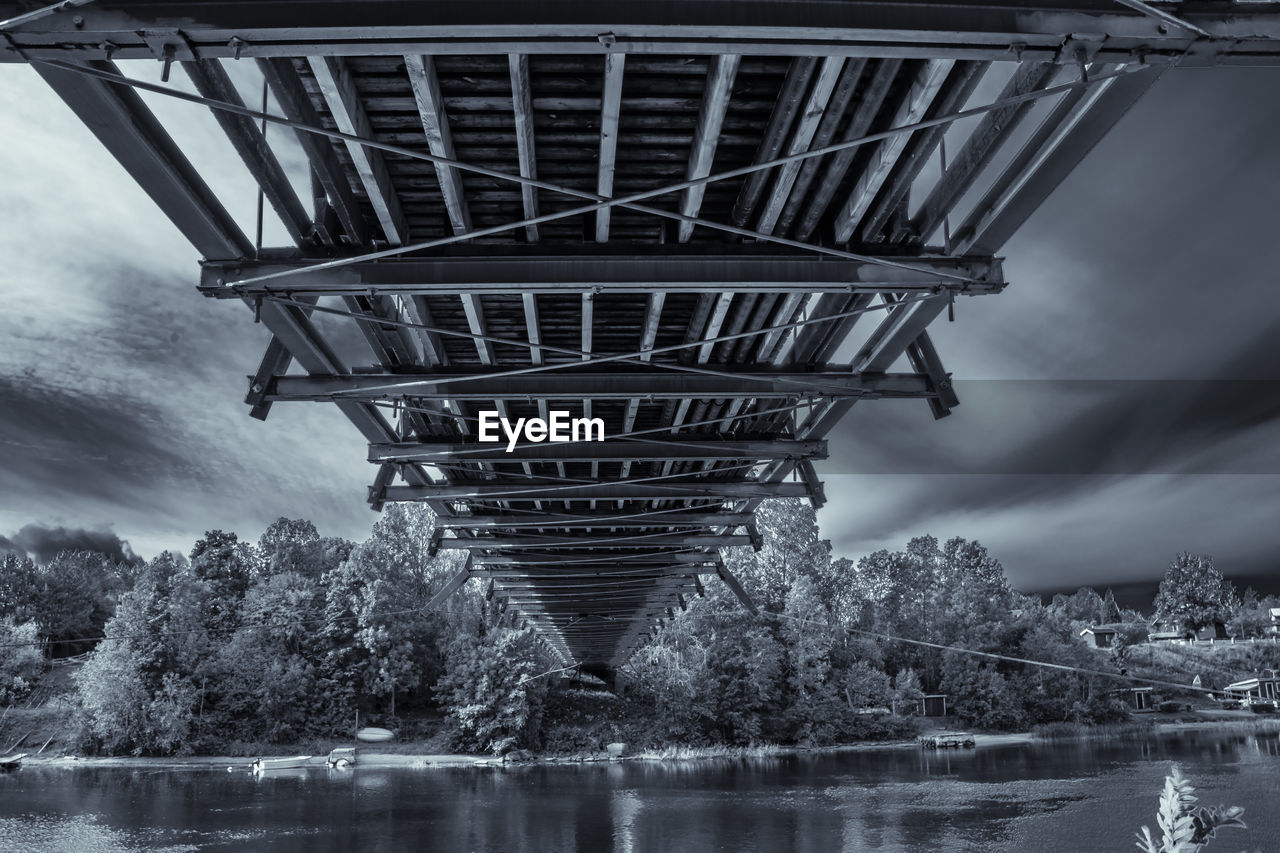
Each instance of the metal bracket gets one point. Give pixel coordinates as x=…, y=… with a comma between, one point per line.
x=813, y=483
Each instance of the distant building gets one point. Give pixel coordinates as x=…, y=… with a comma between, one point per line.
x=933, y=705
x=1274, y=628
x=1213, y=631
x=1139, y=699
x=1264, y=687
x=1099, y=637
x=1176, y=631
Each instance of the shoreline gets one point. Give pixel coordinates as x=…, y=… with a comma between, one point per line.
x=369, y=758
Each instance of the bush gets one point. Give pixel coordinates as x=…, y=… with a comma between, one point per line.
x=490, y=693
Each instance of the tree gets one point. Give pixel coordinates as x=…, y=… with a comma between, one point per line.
x=494, y=689
x=1193, y=593
x=812, y=703
x=21, y=660
x=227, y=565
x=75, y=597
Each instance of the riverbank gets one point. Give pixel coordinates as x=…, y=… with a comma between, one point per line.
x=377, y=758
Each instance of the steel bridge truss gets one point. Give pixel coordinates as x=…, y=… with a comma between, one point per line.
x=714, y=226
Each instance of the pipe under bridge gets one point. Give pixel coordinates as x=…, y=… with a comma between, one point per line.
x=714, y=226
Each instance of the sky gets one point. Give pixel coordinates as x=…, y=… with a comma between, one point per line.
x=1118, y=401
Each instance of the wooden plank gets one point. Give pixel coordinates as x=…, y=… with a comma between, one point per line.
x=838, y=164
x=610, y=112
x=706, y=137
x=522, y=105
x=790, y=97
x=889, y=203
x=807, y=171
x=923, y=90
x=340, y=94
x=806, y=126
x=435, y=125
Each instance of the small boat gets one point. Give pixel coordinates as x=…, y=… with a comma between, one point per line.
x=373, y=734
x=948, y=740
x=12, y=762
x=262, y=765
x=341, y=757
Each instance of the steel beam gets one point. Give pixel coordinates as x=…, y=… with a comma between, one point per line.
x=527, y=272
x=837, y=165
x=785, y=107
x=1070, y=132
x=137, y=140
x=1245, y=33
x=980, y=147
x=535, y=563
x=526, y=491
x=251, y=144
x=282, y=79
x=603, y=543
x=619, y=450
x=601, y=521
x=573, y=385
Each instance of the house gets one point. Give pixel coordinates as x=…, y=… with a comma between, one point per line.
x=933, y=705
x=1264, y=687
x=1274, y=627
x=1099, y=637
x=1139, y=699
x=1166, y=632
x=1178, y=631
x=1213, y=631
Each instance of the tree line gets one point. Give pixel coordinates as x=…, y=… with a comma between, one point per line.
x=294, y=635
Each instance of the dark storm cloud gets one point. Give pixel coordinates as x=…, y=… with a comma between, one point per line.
x=42, y=543
x=79, y=444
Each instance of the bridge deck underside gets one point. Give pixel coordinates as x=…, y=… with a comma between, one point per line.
x=720, y=332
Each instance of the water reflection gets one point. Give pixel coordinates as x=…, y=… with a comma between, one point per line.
x=1070, y=795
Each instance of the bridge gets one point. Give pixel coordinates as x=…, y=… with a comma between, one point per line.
x=714, y=226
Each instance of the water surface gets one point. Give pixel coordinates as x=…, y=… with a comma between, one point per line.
x=1086, y=795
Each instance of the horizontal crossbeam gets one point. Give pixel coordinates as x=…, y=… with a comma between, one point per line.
x=604, y=520
x=1243, y=33
x=656, y=271
x=671, y=490
x=565, y=385
x=677, y=540
x=646, y=450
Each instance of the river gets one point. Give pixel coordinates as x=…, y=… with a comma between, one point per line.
x=1074, y=795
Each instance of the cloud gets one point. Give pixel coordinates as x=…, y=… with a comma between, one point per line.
x=43, y=543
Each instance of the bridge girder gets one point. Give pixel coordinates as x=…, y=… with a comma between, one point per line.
x=618, y=225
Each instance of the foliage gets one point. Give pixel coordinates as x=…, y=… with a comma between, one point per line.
x=1183, y=826
x=1194, y=594
x=21, y=660
x=493, y=690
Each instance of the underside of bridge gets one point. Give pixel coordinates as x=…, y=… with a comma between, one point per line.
x=714, y=226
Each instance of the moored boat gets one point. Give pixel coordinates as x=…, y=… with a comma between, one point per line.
x=373, y=734
x=12, y=762
x=946, y=740
x=262, y=765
